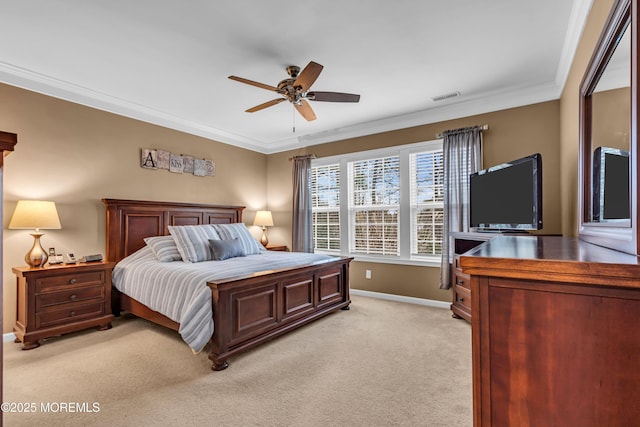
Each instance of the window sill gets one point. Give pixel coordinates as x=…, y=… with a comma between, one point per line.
x=420, y=263
x=433, y=262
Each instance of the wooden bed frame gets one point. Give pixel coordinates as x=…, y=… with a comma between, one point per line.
x=247, y=310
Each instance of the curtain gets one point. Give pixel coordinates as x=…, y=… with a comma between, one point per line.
x=462, y=156
x=302, y=216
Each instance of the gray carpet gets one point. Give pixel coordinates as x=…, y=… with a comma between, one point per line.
x=382, y=363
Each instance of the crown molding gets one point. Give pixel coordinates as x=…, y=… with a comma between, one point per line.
x=577, y=20
x=449, y=110
x=50, y=86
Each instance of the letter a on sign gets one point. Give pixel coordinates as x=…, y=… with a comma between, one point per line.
x=149, y=159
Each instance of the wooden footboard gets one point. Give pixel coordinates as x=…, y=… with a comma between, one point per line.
x=247, y=310
x=252, y=310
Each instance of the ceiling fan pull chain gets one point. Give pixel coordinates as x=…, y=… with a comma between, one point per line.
x=293, y=109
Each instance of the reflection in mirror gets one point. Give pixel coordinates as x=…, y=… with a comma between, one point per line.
x=609, y=135
x=611, y=201
x=610, y=143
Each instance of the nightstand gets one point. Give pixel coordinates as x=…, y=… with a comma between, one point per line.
x=58, y=299
x=282, y=248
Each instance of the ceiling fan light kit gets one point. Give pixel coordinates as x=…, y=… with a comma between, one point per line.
x=295, y=89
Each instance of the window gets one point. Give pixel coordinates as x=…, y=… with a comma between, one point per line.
x=374, y=206
x=381, y=205
x=325, y=204
x=427, y=198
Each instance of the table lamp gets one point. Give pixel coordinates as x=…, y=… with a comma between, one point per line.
x=263, y=219
x=35, y=214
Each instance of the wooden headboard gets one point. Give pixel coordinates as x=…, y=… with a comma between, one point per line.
x=130, y=221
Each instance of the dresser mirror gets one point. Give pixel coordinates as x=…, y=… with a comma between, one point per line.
x=608, y=134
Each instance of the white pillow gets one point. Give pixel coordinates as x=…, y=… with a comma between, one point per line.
x=164, y=247
x=193, y=241
x=240, y=231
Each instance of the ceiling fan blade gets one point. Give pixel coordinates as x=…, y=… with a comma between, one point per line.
x=305, y=110
x=333, y=97
x=265, y=105
x=252, y=83
x=308, y=76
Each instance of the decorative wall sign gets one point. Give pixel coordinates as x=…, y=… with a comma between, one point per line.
x=163, y=159
x=177, y=163
x=149, y=159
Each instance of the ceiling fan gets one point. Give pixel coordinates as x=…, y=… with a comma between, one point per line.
x=295, y=89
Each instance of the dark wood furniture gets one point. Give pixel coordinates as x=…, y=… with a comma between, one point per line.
x=247, y=310
x=282, y=248
x=8, y=142
x=554, y=333
x=461, y=287
x=58, y=299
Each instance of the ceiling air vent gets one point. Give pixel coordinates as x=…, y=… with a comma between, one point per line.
x=445, y=96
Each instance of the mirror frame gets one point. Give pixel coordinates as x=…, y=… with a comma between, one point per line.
x=621, y=237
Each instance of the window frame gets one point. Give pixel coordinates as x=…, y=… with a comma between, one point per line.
x=405, y=222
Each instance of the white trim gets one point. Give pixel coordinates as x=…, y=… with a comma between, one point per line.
x=388, y=259
x=577, y=20
x=8, y=337
x=402, y=298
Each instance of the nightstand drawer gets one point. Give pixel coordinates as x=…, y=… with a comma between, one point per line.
x=71, y=314
x=54, y=299
x=77, y=279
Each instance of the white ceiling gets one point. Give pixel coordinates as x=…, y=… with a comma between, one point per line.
x=167, y=62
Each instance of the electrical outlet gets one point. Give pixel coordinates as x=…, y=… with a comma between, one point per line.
x=367, y=274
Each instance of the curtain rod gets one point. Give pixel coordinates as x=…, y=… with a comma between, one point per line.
x=483, y=127
x=304, y=156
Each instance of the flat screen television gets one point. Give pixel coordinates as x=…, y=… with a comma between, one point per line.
x=507, y=197
x=611, y=184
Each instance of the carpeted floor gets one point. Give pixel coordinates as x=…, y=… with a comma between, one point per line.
x=382, y=363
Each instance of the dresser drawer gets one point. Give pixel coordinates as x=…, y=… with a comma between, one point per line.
x=460, y=279
x=462, y=297
x=52, y=300
x=77, y=279
x=456, y=262
x=69, y=315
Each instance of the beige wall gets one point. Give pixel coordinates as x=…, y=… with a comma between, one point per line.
x=75, y=156
x=611, y=115
x=512, y=134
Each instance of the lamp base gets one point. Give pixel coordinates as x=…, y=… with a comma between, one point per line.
x=264, y=239
x=36, y=257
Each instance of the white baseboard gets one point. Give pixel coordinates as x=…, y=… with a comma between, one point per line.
x=9, y=336
x=401, y=298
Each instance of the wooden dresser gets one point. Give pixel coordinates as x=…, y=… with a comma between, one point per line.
x=58, y=299
x=554, y=333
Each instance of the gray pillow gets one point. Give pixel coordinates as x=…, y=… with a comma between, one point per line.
x=223, y=249
x=240, y=231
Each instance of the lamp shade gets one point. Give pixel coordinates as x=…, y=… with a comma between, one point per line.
x=35, y=214
x=263, y=219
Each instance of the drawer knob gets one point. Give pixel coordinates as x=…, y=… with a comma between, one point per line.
x=73, y=297
x=73, y=313
x=72, y=281
x=460, y=299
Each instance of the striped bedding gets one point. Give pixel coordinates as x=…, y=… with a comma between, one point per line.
x=179, y=290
